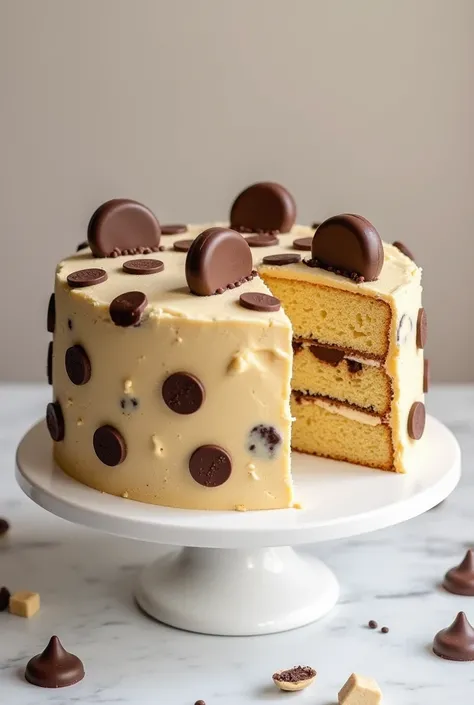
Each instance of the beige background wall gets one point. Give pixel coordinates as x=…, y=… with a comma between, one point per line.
x=355, y=105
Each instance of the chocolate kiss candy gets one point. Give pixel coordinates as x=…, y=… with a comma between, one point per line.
x=456, y=642
x=55, y=667
x=460, y=580
x=217, y=258
x=122, y=224
x=263, y=207
x=350, y=244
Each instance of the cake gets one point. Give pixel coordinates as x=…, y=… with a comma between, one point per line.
x=180, y=353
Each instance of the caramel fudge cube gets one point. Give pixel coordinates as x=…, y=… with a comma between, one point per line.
x=24, y=603
x=360, y=690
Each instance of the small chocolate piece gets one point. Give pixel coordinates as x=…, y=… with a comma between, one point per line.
x=109, y=445
x=217, y=258
x=416, y=420
x=456, y=642
x=129, y=404
x=173, y=229
x=354, y=366
x=199, y=702
x=183, y=393
x=123, y=226
x=264, y=441
x=55, y=421
x=126, y=309
x=51, y=317
x=55, y=667
x=4, y=599
x=78, y=365
x=426, y=376
x=460, y=579
x=385, y=630
x=333, y=356
x=86, y=277
x=49, y=363
x=281, y=260
x=421, y=329
x=404, y=250
x=182, y=245
x=262, y=240
x=143, y=266
x=263, y=207
x=259, y=302
x=349, y=245
x=210, y=466
x=82, y=246
x=303, y=243
x=373, y=624
x=4, y=526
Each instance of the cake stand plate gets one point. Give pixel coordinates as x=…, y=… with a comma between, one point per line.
x=237, y=574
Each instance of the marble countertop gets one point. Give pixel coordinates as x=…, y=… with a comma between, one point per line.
x=85, y=581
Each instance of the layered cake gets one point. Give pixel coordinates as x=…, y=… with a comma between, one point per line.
x=180, y=353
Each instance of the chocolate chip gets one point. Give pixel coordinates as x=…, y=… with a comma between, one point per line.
x=332, y=356
x=183, y=393
x=122, y=225
x=55, y=667
x=385, y=630
x=426, y=375
x=182, y=245
x=55, y=421
x=4, y=599
x=302, y=243
x=354, y=366
x=416, y=420
x=217, y=258
x=460, y=579
x=199, y=702
x=404, y=249
x=210, y=466
x=51, y=317
x=126, y=309
x=421, y=329
x=456, y=642
x=264, y=441
x=49, y=364
x=173, y=229
x=143, y=266
x=78, y=366
x=281, y=260
x=82, y=246
x=259, y=302
x=349, y=244
x=86, y=277
x=373, y=624
x=4, y=526
x=262, y=240
x=265, y=207
x=404, y=328
x=109, y=445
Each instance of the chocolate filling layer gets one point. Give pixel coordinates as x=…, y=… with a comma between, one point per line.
x=299, y=396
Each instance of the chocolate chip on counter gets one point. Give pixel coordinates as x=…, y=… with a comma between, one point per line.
x=182, y=245
x=109, y=445
x=210, y=466
x=55, y=667
x=126, y=309
x=4, y=599
x=78, y=366
x=49, y=364
x=199, y=702
x=404, y=250
x=86, y=277
x=303, y=243
x=281, y=260
x=264, y=441
x=456, y=642
x=55, y=421
x=460, y=579
x=183, y=393
x=123, y=226
x=263, y=207
x=143, y=266
x=4, y=526
x=385, y=630
x=373, y=624
x=426, y=376
x=332, y=356
x=416, y=420
x=259, y=302
x=262, y=240
x=173, y=229
x=421, y=329
x=82, y=246
x=51, y=317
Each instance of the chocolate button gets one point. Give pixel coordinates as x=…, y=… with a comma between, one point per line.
x=109, y=445
x=404, y=250
x=281, y=260
x=265, y=207
x=426, y=375
x=182, y=245
x=123, y=226
x=126, y=309
x=51, y=317
x=416, y=420
x=262, y=240
x=460, y=580
x=55, y=421
x=210, y=466
x=456, y=642
x=173, y=229
x=143, y=266
x=421, y=329
x=302, y=243
x=86, y=277
x=49, y=364
x=183, y=393
x=82, y=246
x=259, y=302
x=55, y=667
x=78, y=366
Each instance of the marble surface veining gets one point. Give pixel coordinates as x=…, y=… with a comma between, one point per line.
x=85, y=580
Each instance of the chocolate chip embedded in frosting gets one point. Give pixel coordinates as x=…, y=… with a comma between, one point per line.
x=173, y=229
x=349, y=245
x=281, y=260
x=263, y=207
x=333, y=356
x=183, y=393
x=78, y=366
x=456, y=642
x=404, y=250
x=51, y=317
x=55, y=421
x=126, y=309
x=264, y=441
x=86, y=277
x=303, y=243
x=55, y=667
x=217, y=258
x=49, y=364
x=426, y=375
x=259, y=302
x=143, y=266
x=416, y=420
x=182, y=245
x=210, y=466
x=109, y=445
x=122, y=225
x=262, y=240
x=421, y=329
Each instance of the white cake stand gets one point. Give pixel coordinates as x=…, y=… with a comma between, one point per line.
x=238, y=574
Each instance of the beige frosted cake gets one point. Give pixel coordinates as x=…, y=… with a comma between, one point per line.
x=172, y=360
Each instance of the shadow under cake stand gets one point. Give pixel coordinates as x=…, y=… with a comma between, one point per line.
x=239, y=574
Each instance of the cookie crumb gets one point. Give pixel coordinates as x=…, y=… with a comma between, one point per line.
x=24, y=603
x=240, y=508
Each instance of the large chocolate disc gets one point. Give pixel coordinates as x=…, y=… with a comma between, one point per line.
x=218, y=258
x=122, y=224
x=264, y=207
x=349, y=245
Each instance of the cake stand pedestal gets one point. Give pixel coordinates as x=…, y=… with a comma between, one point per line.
x=238, y=574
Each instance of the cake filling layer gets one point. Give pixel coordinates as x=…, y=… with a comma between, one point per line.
x=335, y=406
